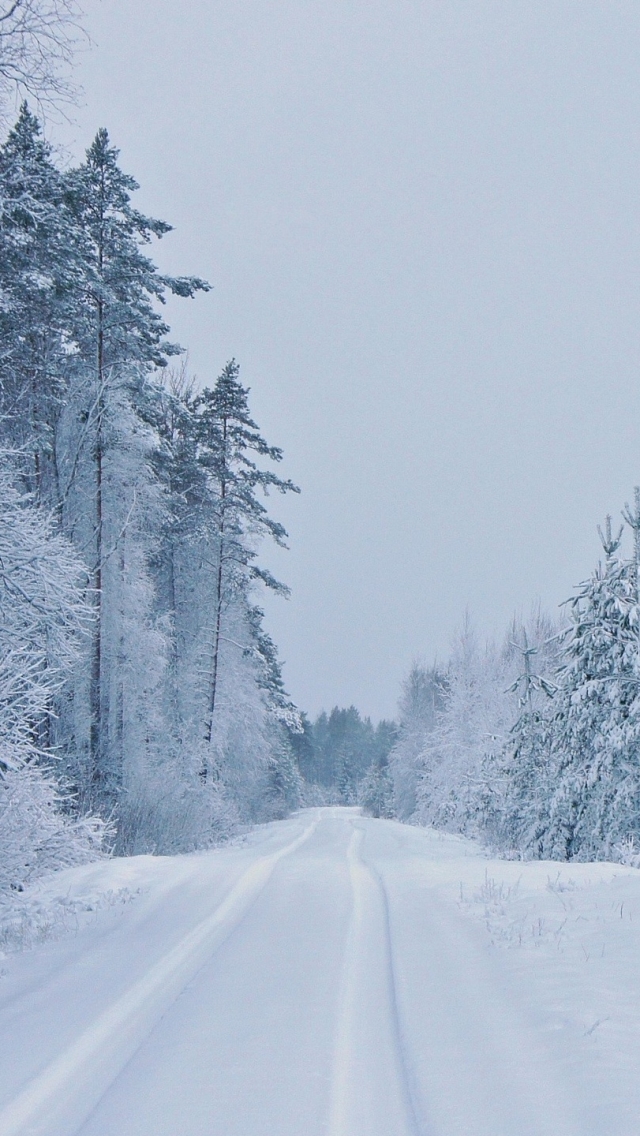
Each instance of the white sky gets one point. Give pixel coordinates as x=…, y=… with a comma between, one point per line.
x=421, y=221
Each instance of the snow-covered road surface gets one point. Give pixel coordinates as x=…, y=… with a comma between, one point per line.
x=327, y=978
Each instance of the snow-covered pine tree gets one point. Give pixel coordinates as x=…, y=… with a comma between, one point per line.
x=227, y=440
x=594, y=730
x=283, y=722
x=119, y=338
x=40, y=279
x=302, y=744
x=205, y=573
x=158, y=493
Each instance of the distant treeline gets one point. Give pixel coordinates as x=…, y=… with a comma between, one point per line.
x=337, y=750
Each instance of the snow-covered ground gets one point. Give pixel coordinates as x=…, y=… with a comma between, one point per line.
x=331, y=976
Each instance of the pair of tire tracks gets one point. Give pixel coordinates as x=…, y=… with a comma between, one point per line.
x=442, y=1095
x=372, y=1083
x=60, y=1098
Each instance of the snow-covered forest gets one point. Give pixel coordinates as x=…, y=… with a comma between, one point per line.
x=142, y=703
x=142, y=700
x=143, y=706
x=222, y=911
x=533, y=744
x=336, y=752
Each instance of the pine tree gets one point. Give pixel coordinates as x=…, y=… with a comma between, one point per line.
x=227, y=437
x=303, y=746
x=120, y=339
x=158, y=491
x=39, y=279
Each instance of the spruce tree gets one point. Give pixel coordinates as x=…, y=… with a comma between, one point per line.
x=595, y=727
x=517, y=806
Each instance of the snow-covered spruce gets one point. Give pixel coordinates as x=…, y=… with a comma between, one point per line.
x=593, y=732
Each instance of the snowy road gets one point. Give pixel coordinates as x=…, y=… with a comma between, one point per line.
x=313, y=982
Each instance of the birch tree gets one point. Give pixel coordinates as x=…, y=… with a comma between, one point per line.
x=38, y=42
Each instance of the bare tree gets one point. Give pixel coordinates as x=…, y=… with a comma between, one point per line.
x=38, y=40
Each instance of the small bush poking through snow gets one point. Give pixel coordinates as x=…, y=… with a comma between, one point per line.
x=35, y=835
x=627, y=852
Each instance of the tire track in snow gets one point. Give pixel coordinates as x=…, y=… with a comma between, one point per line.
x=62, y=1096
x=371, y=1088
x=479, y=1067
x=409, y=1078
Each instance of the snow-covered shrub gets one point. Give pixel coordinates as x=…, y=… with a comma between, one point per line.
x=627, y=852
x=168, y=817
x=375, y=791
x=42, y=617
x=36, y=836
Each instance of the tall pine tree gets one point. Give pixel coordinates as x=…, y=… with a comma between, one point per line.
x=120, y=338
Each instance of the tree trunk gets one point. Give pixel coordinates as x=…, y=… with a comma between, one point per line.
x=216, y=656
x=95, y=742
x=218, y=618
x=120, y=715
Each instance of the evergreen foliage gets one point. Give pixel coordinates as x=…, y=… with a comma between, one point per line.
x=422, y=698
x=593, y=733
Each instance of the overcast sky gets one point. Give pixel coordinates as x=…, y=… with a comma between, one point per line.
x=421, y=219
